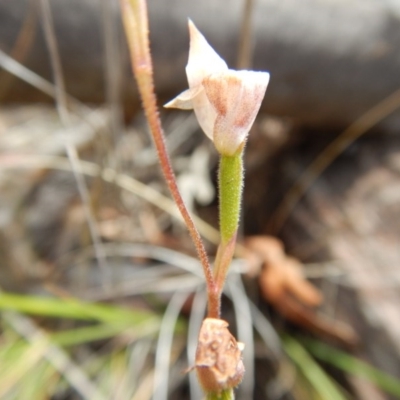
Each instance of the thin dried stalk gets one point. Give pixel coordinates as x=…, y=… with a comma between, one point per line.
x=134, y=14
x=72, y=153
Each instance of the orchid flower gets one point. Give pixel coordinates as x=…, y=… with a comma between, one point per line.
x=225, y=101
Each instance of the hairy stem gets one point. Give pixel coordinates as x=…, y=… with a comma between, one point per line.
x=230, y=194
x=134, y=14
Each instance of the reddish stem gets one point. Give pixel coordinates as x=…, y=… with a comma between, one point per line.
x=134, y=14
x=222, y=262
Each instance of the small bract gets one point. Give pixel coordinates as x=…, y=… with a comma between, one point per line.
x=225, y=101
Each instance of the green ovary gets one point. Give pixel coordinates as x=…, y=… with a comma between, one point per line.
x=230, y=194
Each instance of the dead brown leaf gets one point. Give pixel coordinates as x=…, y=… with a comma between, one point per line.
x=283, y=285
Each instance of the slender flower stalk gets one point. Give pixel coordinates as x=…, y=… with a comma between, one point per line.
x=134, y=14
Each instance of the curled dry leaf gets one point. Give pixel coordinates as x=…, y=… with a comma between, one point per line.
x=284, y=286
x=219, y=362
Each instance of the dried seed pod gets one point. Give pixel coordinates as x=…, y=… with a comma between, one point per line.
x=219, y=362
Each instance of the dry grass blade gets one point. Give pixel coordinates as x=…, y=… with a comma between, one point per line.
x=18, y=70
x=25, y=74
x=22, y=44
x=175, y=270
x=198, y=311
x=61, y=101
x=144, y=390
x=55, y=356
x=267, y=332
x=112, y=71
x=110, y=175
x=367, y=121
x=30, y=359
x=245, y=53
x=241, y=305
x=164, y=345
x=137, y=360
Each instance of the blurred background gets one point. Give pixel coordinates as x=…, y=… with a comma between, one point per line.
x=101, y=294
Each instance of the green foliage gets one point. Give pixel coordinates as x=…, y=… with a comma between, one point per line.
x=326, y=388
x=354, y=366
x=37, y=367
x=70, y=308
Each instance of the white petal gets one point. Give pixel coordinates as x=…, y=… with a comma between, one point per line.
x=243, y=113
x=203, y=60
x=195, y=98
x=205, y=113
x=184, y=100
x=236, y=97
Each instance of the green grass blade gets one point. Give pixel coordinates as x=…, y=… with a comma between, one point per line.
x=38, y=383
x=322, y=383
x=31, y=356
x=92, y=333
x=352, y=365
x=70, y=308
